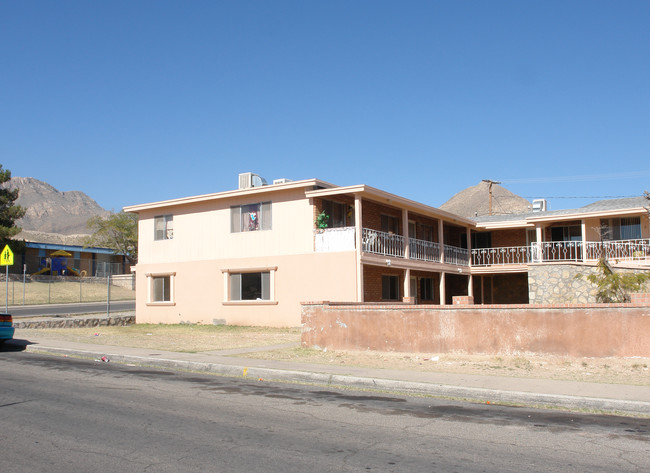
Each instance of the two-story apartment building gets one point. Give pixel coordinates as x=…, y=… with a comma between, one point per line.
x=535, y=257
x=252, y=255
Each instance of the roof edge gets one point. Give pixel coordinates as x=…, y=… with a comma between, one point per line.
x=226, y=194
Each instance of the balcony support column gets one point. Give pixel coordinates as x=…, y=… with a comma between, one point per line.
x=470, y=285
x=443, y=296
x=469, y=250
x=583, y=231
x=441, y=239
x=407, y=286
x=358, y=234
x=405, y=231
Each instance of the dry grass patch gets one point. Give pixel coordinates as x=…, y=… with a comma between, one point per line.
x=598, y=370
x=61, y=292
x=181, y=338
x=201, y=338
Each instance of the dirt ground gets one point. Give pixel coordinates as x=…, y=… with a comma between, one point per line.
x=199, y=338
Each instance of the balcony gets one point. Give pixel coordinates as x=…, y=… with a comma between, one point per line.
x=389, y=244
x=558, y=251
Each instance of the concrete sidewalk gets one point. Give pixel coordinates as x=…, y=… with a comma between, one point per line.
x=609, y=398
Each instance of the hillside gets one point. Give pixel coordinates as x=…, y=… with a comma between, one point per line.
x=475, y=202
x=52, y=211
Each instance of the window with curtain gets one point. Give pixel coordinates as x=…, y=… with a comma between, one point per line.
x=164, y=227
x=250, y=218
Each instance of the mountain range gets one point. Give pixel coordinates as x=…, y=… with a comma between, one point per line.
x=59, y=217
x=53, y=216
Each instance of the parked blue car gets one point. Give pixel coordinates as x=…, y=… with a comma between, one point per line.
x=6, y=327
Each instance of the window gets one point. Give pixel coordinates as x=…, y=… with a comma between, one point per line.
x=250, y=218
x=390, y=288
x=569, y=233
x=161, y=288
x=426, y=289
x=164, y=227
x=481, y=239
x=389, y=224
x=250, y=286
x=628, y=228
x=337, y=212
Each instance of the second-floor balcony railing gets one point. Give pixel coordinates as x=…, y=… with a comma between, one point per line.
x=422, y=250
x=552, y=251
x=389, y=244
x=382, y=243
x=455, y=255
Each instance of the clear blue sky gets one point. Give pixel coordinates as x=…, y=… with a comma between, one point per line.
x=139, y=101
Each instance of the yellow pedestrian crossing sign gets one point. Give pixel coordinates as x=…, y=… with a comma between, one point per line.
x=7, y=256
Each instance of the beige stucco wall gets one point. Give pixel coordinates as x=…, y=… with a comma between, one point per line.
x=199, y=289
x=203, y=247
x=202, y=230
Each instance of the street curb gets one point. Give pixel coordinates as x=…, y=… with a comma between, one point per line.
x=479, y=395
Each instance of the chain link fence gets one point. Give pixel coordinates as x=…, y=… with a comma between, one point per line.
x=42, y=289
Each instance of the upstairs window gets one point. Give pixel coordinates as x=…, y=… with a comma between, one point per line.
x=164, y=227
x=250, y=218
x=627, y=228
x=340, y=215
x=389, y=224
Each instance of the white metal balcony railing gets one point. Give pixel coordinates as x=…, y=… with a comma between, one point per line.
x=389, y=244
x=382, y=243
x=551, y=251
x=422, y=250
x=455, y=255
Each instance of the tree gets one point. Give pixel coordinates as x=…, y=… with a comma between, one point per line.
x=9, y=211
x=616, y=287
x=118, y=232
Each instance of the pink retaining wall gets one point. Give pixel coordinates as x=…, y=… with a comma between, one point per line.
x=594, y=330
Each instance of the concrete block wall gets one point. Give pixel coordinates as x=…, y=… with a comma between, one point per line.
x=593, y=330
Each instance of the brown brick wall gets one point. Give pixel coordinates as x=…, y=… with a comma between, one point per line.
x=515, y=237
x=372, y=281
x=372, y=213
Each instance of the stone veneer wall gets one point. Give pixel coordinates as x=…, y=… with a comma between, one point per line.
x=560, y=284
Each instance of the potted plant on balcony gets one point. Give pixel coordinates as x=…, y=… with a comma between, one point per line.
x=322, y=221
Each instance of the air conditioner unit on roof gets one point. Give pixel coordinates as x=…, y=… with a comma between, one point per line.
x=540, y=205
x=249, y=179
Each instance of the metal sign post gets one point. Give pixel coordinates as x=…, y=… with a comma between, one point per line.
x=6, y=259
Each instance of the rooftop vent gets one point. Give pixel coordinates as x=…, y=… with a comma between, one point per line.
x=249, y=179
x=540, y=205
x=282, y=180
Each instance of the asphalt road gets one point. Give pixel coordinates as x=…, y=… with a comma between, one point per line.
x=69, y=309
x=63, y=414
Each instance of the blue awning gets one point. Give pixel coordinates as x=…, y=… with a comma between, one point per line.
x=70, y=248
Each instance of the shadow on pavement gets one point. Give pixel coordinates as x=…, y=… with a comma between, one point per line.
x=15, y=344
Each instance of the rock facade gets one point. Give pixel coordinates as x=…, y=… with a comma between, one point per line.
x=562, y=284
x=72, y=322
